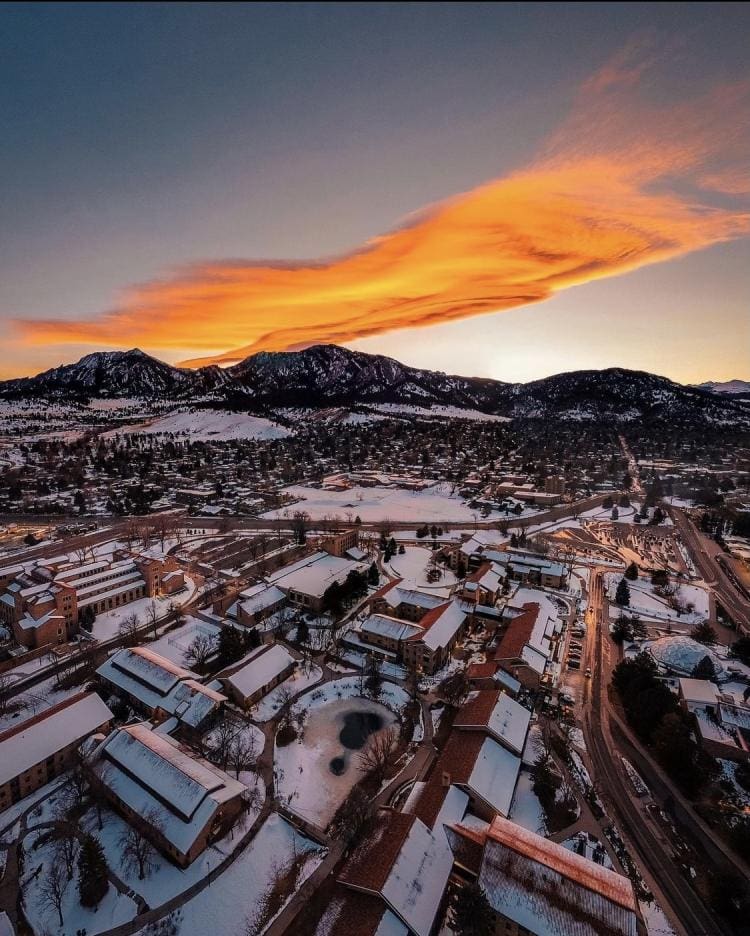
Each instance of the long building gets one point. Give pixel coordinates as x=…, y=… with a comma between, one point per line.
x=39, y=749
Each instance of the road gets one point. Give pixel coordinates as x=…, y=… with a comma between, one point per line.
x=651, y=849
x=705, y=552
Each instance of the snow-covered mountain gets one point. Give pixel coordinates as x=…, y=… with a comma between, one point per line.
x=328, y=375
x=727, y=386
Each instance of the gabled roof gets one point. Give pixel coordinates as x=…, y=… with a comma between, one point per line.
x=498, y=714
x=518, y=633
x=550, y=890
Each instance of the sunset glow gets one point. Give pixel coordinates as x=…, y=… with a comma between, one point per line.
x=622, y=184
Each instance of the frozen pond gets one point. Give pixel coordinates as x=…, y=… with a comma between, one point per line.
x=315, y=773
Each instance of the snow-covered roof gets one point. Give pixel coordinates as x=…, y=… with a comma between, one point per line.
x=442, y=628
x=415, y=886
x=682, y=654
x=384, y=626
x=260, y=670
x=178, y=793
x=261, y=598
x=506, y=719
x=313, y=575
x=699, y=690
x=38, y=738
x=149, y=668
x=549, y=890
x=494, y=775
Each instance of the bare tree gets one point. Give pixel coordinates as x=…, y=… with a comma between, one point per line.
x=243, y=752
x=152, y=616
x=220, y=742
x=138, y=854
x=379, y=754
x=5, y=697
x=128, y=628
x=52, y=889
x=66, y=849
x=200, y=650
x=353, y=816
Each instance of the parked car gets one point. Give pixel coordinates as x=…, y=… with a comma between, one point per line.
x=588, y=673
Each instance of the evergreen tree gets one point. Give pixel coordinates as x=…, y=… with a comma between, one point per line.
x=472, y=913
x=373, y=576
x=631, y=573
x=704, y=669
x=303, y=631
x=622, y=595
x=92, y=872
x=704, y=634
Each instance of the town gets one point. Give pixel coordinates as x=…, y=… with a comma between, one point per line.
x=426, y=673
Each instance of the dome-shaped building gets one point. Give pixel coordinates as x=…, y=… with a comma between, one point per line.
x=681, y=654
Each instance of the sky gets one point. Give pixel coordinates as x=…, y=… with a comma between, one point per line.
x=502, y=190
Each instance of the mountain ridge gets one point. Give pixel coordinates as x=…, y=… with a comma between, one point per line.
x=328, y=375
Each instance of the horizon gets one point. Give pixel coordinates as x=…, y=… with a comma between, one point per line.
x=483, y=185
x=469, y=376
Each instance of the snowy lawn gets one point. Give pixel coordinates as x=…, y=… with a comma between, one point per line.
x=165, y=880
x=113, y=910
x=107, y=623
x=222, y=908
x=412, y=567
x=174, y=644
x=526, y=810
x=646, y=602
x=300, y=680
x=302, y=768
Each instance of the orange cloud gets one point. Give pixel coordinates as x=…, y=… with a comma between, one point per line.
x=622, y=184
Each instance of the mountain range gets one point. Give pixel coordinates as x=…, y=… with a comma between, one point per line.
x=329, y=375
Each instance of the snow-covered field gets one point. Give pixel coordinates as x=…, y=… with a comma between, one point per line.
x=377, y=503
x=222, y=908
x=209, y=426
x=303, y=775
x=646, y=602
x=412, y=567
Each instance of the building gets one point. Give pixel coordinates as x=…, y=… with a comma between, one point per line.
x=408, y=604
x=440, y=630
x=39, y=749
x=554, y=484
x=536, y=886
x=722, y=722
x=424, y=644
x=255, y=604
x=305, y=582
x=340, y=542
x=42, y=606
x=397, y=877
x=525, y=648
x=179, y=801
x=160, y=689
x=496, y=714
x=487, y=771
x=257, y=674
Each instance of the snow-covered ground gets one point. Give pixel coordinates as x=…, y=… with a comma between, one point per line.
x=222, y=908
x=300, y=680
x=209, y=426
x=107, y=623
x=302, y=768
x=377, y=503
x=526, y=810
x=412, y=566
x=174, y=644
x=113, y=910
x=165, y=880
x=438, y=411
x=645, y=602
